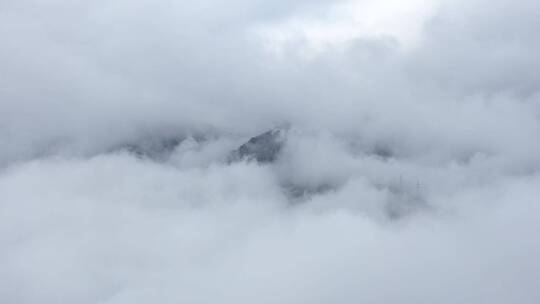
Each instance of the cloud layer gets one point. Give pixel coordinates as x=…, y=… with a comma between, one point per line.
x=409, y=173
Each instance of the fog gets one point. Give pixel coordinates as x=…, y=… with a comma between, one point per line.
x=402, y=163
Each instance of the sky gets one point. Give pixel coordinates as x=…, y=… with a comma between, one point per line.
x=411, y=132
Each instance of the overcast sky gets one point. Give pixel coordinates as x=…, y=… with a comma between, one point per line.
x=428, y=106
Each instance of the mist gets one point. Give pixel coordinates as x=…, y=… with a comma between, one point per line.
x=253, y=152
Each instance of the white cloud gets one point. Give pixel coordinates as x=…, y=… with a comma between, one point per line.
x=344, y=22
x=410, y=172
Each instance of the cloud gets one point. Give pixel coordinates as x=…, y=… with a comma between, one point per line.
x=115, y=229
x=409, y=173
